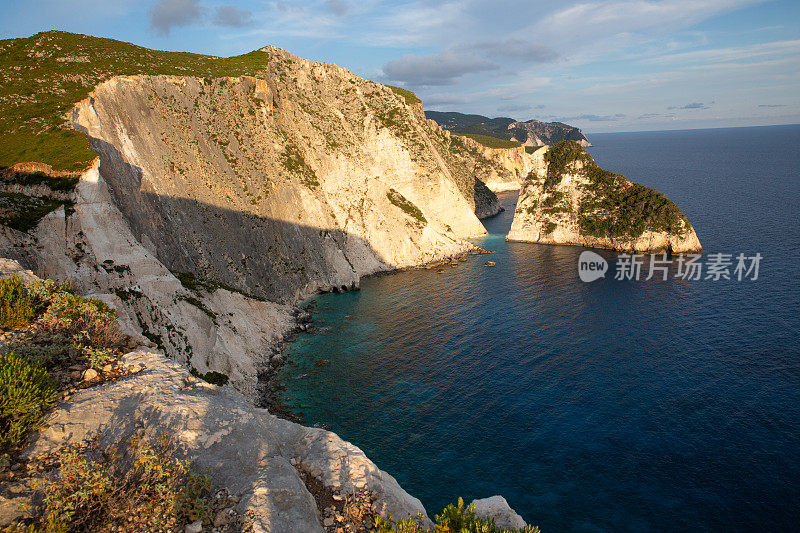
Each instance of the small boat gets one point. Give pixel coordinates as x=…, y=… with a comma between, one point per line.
x=489, y=263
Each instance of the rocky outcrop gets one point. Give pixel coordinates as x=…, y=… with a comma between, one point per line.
x=279, y=185
x=497, y=509
x=252, y=453
x=579, y=203
x=486, y=202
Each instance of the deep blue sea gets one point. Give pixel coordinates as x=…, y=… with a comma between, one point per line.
x=606, y=406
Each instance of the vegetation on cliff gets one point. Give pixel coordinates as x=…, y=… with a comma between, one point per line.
x=611, y=204
x=492, y=142
x=408, y=96
x=530, y=132
x=454, y=518
x=135, y=486
x=43, y=76
x=406, y=206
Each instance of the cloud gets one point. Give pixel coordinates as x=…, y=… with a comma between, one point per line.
x=337, y=7
x=693, y=105
x=516, y=107
x=166, y=14
x=517, y=49
x=594, y=118
x=436, y=69
x=233, y=16
x=647, y=116
x=771, y=105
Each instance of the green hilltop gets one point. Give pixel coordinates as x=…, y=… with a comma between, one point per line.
x=44, y=75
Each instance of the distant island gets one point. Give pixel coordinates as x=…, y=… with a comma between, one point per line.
x=530, y=133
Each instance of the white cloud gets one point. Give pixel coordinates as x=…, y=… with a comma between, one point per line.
x=166, y=14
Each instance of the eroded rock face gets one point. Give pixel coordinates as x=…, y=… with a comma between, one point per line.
x=577, y=202
x=204, y=328
x=501, y=169
x=497, y=508
x=279, y=185
x=244, y=449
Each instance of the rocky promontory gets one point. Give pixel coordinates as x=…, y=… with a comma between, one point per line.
x=576, y=202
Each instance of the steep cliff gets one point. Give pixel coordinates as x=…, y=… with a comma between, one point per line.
x=224, y=191
x=301, y=179
x=577, y=202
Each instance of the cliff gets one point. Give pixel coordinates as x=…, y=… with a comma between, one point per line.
x=281, y=186
x=577, y=202
x=530, y=133
x=212, y=195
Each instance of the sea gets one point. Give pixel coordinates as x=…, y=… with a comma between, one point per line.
x=613, y=405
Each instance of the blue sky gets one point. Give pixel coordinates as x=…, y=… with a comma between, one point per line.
x=602, y=65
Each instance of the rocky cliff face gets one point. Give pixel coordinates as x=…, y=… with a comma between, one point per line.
x=500, y=169
x=577, y=202
x=301, y=179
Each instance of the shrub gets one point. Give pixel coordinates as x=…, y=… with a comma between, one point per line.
x=89, y=321
x=25, y=391
x=16, y=304
x=135, y=486
x=454, y=519
x=212, y=376
x=406, y=206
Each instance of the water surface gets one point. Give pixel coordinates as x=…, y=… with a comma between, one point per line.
x=610, y=406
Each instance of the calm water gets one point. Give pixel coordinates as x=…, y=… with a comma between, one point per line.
x=610, y=406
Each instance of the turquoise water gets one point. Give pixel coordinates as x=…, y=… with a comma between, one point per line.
x=610, y=406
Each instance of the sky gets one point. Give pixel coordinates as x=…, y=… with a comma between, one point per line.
x=601, y=65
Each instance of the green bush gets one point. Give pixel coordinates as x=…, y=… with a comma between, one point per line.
x=212, y=376
x=89, y=321
x=135, y=486
x=25, y=391
x=454, y=519
x=406, y=206
x=17, y=307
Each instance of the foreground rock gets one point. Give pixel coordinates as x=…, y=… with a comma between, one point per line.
x=497, y=508
x=577, y=202
x=244, y=449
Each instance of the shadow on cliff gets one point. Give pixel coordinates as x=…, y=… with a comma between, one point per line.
x=260, y=256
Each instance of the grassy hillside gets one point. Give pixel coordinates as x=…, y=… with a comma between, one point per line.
x=492, y=142
x=42, y=76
